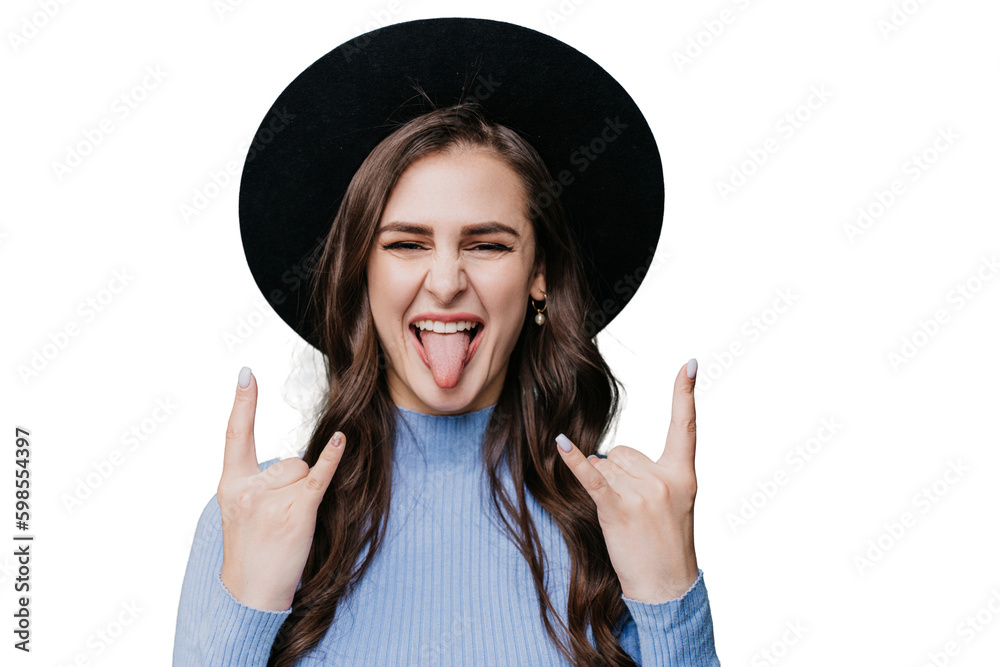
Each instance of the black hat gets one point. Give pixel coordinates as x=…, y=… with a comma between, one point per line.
x=595, y=142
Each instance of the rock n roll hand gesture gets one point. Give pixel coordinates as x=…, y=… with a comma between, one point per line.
x=268, y=517
x=646, y=508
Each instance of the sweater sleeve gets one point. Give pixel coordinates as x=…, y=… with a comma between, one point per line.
x=213, y=628
x=677, y=632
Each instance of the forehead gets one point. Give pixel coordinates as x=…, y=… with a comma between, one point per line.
x=455, y=189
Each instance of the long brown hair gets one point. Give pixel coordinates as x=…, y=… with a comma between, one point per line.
x=557, y=381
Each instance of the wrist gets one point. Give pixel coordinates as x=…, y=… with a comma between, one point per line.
x=259, y=600
x=666, y=592
x=670, y=586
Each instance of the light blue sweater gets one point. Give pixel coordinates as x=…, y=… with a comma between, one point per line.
x=447, y=587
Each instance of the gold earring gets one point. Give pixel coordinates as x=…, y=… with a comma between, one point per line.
x=539, y=318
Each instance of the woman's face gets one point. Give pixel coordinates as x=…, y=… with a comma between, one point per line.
x=453, y=246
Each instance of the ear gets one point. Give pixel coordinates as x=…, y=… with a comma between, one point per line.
x=538, y=281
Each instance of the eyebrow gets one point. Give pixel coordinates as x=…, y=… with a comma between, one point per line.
x=478, y=229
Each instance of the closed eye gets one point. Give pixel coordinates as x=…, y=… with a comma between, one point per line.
x=493, y=247
x=412, y=245
x=402, y=245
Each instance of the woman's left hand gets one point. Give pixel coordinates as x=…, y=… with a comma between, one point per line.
x=646, y=508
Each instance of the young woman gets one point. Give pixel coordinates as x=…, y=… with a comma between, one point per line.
x=445, y=510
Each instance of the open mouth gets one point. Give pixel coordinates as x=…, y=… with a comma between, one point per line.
x=474, y=334
x=447, y=350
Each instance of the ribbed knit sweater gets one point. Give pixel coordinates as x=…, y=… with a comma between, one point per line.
x=446, y=587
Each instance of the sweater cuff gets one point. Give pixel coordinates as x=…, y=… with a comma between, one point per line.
x=676, y=632
x=234, y=634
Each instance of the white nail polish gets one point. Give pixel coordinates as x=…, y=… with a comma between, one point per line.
x=692, y=368
x=244, y=379
x=564, y=443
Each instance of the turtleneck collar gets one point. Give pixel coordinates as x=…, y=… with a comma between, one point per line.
x=440, y=440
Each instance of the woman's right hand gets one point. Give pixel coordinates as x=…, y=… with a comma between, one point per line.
x=268, y=517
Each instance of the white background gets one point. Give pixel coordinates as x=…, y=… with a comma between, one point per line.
x=856, y=299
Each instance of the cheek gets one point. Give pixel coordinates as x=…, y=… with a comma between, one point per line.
x=505, y=301
x=387, y=296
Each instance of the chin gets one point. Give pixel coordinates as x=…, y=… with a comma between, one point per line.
x=457, y=399
x=418, y=390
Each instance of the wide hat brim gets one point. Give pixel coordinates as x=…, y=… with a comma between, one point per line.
x=596, y=143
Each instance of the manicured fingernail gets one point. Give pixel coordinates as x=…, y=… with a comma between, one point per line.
x=592, y=457
x=338, y=439
x=564, y=442
x=692, y=368
x=244, y=380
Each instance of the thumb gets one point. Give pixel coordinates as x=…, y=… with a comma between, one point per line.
x=592, y=480
x=320, y=475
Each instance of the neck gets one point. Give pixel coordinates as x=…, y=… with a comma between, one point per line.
x=440, y=440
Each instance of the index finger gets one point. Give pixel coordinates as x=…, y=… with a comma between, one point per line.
x=240, y=458
x=680, y=444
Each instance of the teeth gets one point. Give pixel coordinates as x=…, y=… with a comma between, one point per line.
x=444, y=327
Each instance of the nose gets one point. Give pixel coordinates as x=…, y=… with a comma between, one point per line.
x=446, y=278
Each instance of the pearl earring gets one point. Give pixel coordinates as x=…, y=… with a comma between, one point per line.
x=539, y=318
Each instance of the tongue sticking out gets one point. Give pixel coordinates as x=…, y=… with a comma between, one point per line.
x=446, y=354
